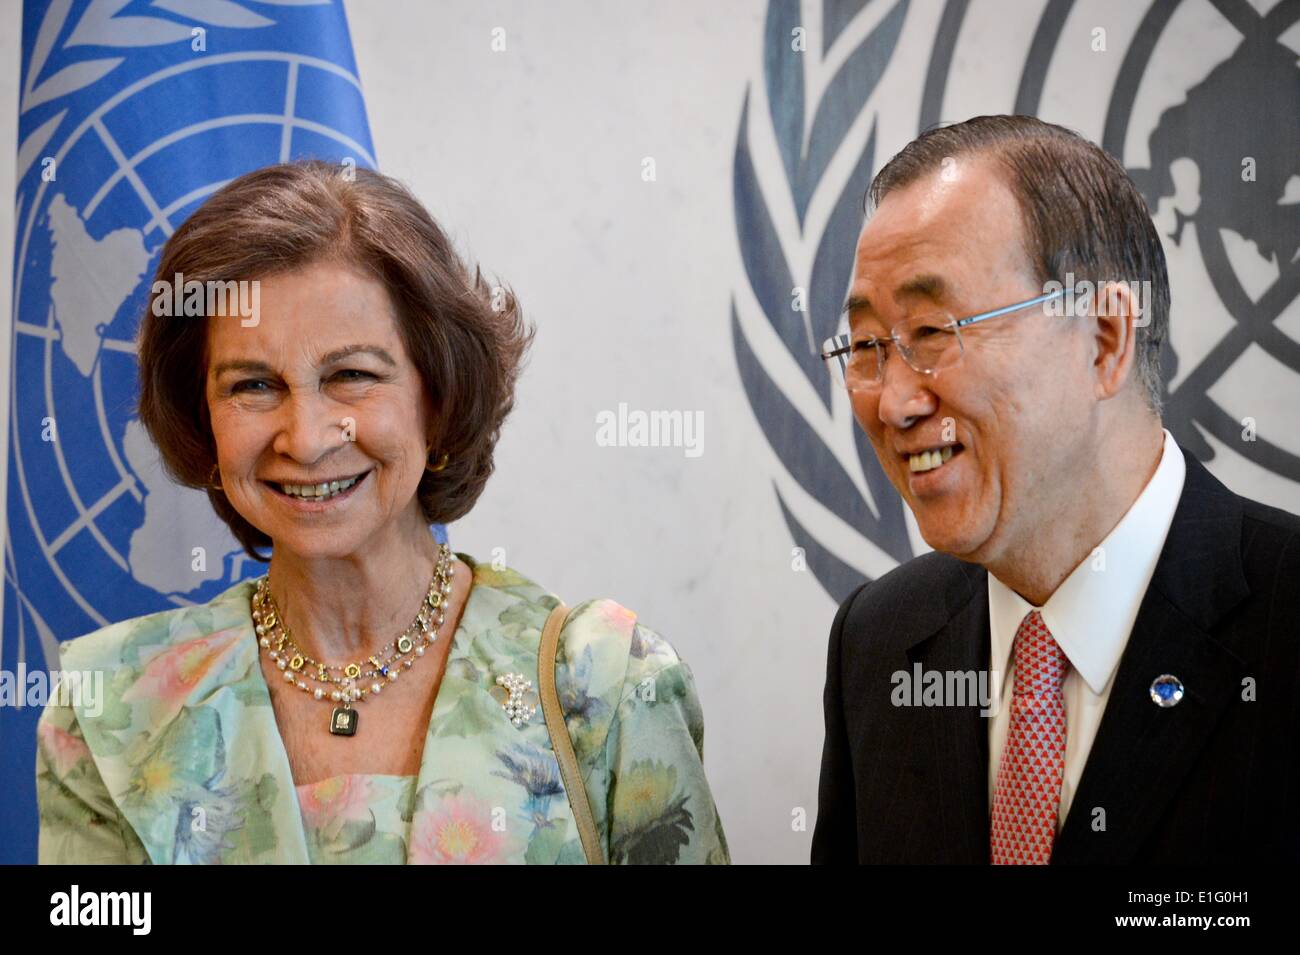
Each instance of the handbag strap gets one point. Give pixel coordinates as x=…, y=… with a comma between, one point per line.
x=560, y=739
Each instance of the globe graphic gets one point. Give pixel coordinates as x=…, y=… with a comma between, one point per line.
x=113, y=536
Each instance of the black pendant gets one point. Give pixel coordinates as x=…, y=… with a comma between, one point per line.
x=343, y=722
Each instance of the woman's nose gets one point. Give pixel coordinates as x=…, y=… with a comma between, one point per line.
x=307, y=430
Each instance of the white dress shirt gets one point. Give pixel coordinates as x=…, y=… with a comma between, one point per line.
x=1090, y=615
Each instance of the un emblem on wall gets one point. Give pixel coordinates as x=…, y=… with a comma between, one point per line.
x=114, y=534
x=1223, y=178
x=1199, y=100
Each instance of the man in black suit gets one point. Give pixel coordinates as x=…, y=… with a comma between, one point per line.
x=1100, y=663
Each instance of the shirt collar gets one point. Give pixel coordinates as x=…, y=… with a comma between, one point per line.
x=1091, y=614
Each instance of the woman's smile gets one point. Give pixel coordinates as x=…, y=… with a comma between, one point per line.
x=314, y=498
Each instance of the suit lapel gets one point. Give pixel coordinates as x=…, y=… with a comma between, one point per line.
x=958, y=757
x=1142, y=751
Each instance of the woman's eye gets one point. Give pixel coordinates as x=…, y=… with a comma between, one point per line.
x=247, y=385
x=353, y=371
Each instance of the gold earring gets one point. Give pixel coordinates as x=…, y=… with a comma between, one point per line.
x=442, y=463
x=216, y=470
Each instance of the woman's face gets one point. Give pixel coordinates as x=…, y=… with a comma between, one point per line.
x=319, y=390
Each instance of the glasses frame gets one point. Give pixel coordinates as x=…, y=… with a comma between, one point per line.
x=955, y=325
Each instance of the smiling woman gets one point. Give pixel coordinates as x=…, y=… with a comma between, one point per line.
x=333, y=420
x=360, y=404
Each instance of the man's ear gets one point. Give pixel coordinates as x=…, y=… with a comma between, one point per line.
x=1114, y=315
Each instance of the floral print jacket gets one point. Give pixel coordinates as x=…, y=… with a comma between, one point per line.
x=184, y=763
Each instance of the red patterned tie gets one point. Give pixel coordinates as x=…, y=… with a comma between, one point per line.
x=1028, y=793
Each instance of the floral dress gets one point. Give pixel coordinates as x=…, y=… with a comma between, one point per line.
x=179, y=759
x=366, y=818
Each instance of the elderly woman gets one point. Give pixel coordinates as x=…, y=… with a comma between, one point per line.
x=373, y=698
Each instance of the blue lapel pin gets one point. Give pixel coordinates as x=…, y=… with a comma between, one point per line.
x=1166, y=690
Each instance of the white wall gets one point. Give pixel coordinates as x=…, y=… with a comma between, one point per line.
x=532, y=159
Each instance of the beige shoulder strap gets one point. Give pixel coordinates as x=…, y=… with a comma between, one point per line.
x=560, y=740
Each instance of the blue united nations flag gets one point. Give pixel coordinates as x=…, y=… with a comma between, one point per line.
x=131, y=114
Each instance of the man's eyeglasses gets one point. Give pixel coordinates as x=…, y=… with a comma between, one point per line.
x=928, y=343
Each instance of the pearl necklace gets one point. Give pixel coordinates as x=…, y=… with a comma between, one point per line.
x=344, y=683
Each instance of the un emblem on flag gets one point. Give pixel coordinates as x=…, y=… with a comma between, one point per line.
x=118, y=151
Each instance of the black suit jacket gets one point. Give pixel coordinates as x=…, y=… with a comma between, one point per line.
x=1212, y=779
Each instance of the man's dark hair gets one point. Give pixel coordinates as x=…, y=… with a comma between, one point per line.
x=1082, y=213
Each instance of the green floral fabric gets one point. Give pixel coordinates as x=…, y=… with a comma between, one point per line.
x=359, y=818
x=184, y=762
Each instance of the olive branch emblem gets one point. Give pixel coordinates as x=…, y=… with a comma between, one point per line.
x=808, y=435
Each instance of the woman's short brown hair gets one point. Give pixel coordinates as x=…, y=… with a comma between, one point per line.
x=466, y=338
